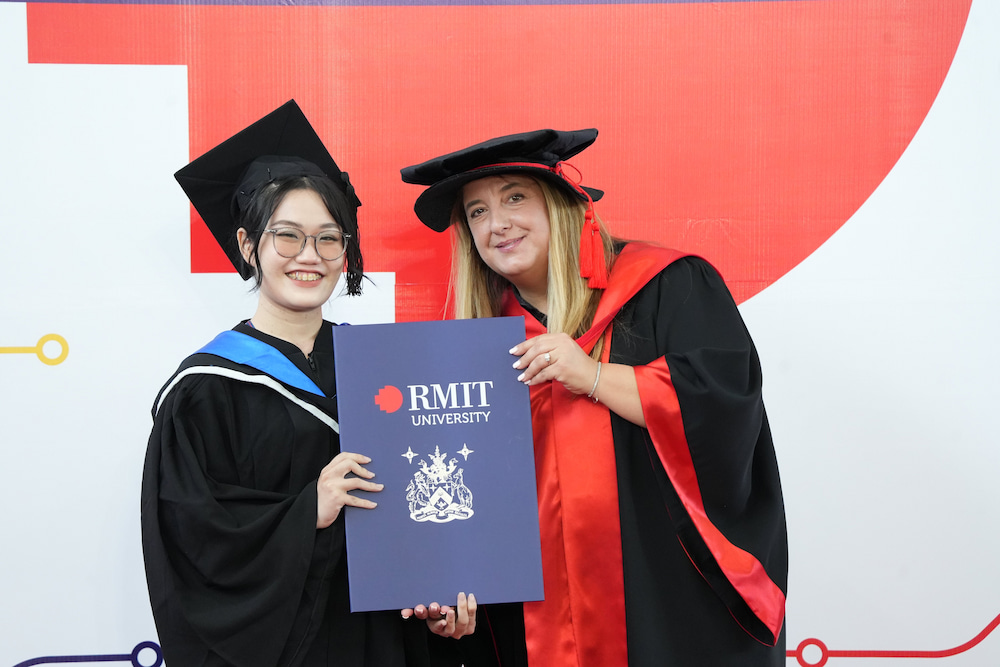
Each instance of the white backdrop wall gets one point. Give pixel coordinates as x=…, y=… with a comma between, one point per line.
x=882, y=362
x=879, y=352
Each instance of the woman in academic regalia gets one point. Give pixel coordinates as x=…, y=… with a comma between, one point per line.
x=662, y=521
x=244, y=486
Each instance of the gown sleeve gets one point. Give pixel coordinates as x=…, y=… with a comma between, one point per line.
x=237, y=571
x=701, y=398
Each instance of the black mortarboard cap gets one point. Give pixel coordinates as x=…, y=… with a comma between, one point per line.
x=540, y=153
x=221, y=181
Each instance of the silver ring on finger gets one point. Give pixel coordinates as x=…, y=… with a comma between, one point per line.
x=547, y=357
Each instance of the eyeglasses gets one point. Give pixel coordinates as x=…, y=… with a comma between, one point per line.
x=290, y=242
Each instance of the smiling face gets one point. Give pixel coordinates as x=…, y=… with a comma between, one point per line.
x=509, y=222
x=300, y=284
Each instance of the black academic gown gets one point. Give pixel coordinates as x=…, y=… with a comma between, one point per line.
x=238, y=574
x=681, y=608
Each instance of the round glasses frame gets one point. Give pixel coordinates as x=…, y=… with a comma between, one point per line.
x=302, y=238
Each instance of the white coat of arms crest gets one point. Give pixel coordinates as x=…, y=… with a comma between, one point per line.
x=437, y=491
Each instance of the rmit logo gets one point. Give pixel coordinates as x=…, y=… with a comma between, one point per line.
x=389, y=399
x=449, y=397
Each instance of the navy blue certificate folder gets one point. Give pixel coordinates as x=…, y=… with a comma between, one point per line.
x=438, y=408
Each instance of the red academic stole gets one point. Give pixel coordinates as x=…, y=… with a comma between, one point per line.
x=581, y=622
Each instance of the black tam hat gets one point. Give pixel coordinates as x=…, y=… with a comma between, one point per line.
x=223, y=181
x=541, y=154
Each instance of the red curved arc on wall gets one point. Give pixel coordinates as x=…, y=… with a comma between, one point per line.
x=745, y=132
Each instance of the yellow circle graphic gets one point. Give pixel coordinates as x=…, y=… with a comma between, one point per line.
x=39, y=349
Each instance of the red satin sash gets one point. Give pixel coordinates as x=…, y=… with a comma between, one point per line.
x=581, y=622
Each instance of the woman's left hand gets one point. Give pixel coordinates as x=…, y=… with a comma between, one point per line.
x=454, y=622
x=555, y=357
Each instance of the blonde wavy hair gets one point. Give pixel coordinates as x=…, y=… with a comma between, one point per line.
x=477, y=291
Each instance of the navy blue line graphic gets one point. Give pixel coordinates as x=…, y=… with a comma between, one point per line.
x=132, y=657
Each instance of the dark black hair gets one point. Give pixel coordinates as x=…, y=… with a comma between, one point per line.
x=267, y=198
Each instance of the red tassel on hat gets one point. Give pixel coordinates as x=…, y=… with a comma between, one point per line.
x=586, y=250
x=593, y=264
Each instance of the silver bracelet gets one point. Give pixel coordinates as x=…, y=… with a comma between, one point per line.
x=596, y=380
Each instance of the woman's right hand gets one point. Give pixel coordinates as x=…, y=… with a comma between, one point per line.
x=454, y=622
x=333, y=486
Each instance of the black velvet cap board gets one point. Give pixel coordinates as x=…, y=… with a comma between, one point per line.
x=221, y=181
x=539, y=153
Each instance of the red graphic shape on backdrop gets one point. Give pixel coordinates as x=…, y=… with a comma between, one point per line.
x=825, y=653
x=746, y=132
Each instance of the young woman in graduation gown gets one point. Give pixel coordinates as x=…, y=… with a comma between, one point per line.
x=245, y=487
x=662, y=521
